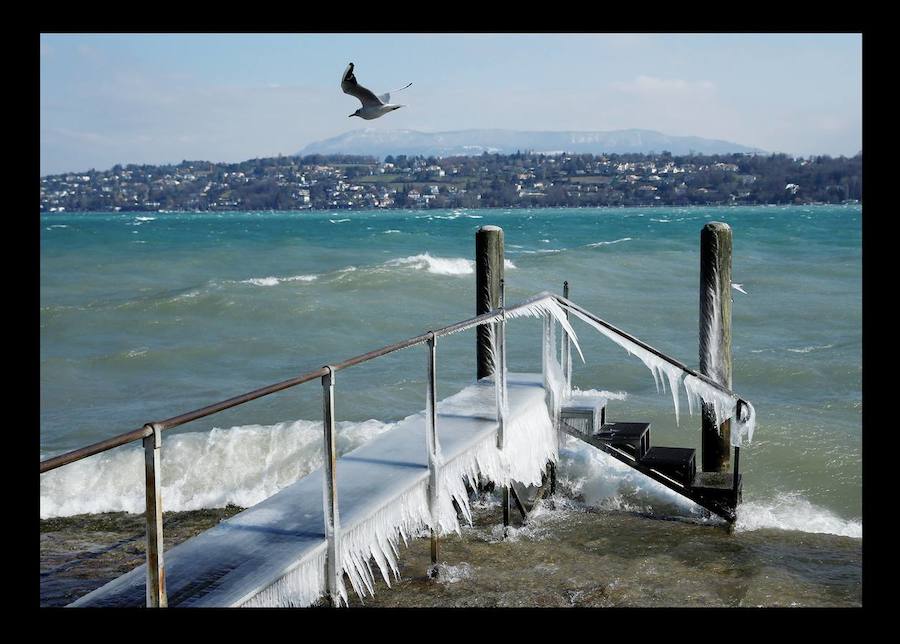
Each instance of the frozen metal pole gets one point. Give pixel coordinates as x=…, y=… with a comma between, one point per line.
x=567, y=347
x=156, y=571
x=329, y=490
x=488, y=273
x=502, y=402
x=434, y=447
x=715, y=336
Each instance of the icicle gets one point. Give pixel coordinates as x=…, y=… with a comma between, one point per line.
x=722, y=404
x=653, y=362
x=538, y=308
x=743, y=425
x=674, y=375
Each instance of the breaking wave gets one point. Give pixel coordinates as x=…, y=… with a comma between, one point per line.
x=273, y=281
x=241, y=465
x=440, y=265
x=602, y=481
x=790, y=511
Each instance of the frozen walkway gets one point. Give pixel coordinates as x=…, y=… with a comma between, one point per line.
x=274, y=552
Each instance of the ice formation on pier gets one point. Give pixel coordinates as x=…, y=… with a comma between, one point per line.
x=530, y=444
x=723, y=404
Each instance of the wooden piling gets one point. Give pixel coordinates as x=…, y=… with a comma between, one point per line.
x=488, y=273
x=715, y=336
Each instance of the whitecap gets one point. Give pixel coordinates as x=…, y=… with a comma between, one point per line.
x=607, y=243
x=273, y=281
x=811, y=348
x=791, y=511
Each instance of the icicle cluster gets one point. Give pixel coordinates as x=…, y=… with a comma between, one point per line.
x=301, y=586
x=696, y=390
x=530, y=443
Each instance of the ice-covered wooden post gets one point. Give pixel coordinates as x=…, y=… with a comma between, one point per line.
x=488, y=273
x=715, y=336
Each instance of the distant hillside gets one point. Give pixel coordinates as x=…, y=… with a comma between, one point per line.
x=380, y=143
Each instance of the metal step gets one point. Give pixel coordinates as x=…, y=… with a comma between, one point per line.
x=633, y=438
x=678, y=463
x=718, y=492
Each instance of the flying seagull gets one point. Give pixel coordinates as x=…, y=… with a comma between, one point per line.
x=372, y=106
x=739, y=287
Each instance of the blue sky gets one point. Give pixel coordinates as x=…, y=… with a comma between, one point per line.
x=133, y=98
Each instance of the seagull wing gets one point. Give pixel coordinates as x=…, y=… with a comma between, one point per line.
x=738, y=287
x=350, y=86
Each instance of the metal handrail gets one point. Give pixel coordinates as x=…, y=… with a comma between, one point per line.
x=175, y=421
x=568, y=303
x=151, y=433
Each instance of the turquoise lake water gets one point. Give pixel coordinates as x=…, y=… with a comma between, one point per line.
x=148, y=315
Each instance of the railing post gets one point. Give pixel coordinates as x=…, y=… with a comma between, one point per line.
x=566, y=347
x=329, y=490
x=433, y=445
x=546, y=356
x=500, y=377
x=156, y=571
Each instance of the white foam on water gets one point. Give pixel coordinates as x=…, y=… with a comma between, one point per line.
x=607, y=243
x=388, y=232
x=604, y=482
x=436, y=265
x=338, y=221
x=448, y=574
x=274, y=281
x=791, y=511
x=440, y=265
x=241, y=465
x=145, y=218
x=811, y=348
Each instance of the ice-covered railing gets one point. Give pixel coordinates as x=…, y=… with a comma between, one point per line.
x=542, y=304
x=722, y=401
x=352, y=556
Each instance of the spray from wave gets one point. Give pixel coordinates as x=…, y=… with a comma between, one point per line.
x=274, y=281
x=602, y=481
x=241, y=465
x=440, y=265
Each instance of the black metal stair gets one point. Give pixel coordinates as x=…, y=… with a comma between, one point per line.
x=674, y=467
x=678, y=463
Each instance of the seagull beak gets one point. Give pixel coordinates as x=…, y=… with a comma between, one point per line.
x=354, y=114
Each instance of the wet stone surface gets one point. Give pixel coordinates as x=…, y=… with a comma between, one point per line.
x=565, y=555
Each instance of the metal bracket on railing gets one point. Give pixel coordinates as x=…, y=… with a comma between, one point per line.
x=329, y=490
x=156, y=572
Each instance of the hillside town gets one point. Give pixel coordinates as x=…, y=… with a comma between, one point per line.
x=522, y=179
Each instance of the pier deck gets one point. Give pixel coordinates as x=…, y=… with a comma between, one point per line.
x=233, y=562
